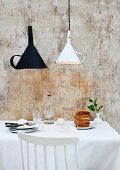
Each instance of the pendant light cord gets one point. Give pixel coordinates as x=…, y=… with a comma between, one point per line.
x=30, y=12
x=69, y=12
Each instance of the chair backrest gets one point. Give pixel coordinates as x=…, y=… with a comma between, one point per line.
x=44, y=142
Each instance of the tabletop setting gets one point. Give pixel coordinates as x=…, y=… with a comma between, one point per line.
x=96, y=138
x=95, y=135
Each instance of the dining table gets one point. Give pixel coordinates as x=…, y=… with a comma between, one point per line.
x=98, y=147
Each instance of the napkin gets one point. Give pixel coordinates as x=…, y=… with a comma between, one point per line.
x=22, y=121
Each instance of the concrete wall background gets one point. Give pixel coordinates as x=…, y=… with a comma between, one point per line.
x=95, y=31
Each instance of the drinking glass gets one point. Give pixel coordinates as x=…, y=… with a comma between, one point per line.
x=37, y=118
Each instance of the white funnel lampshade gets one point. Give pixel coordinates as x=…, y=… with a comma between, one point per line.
x=68, y=54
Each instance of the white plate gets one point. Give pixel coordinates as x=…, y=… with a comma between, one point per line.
x=85, y=128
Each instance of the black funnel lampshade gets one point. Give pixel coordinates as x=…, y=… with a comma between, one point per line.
x=30, y=59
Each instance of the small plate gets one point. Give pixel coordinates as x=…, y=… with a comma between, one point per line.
x=25, y=131
x=36, y=126
x=86, y=128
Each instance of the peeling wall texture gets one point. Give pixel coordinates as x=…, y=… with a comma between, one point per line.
x=95, y=32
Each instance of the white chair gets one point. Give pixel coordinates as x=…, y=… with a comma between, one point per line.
x=27, y=140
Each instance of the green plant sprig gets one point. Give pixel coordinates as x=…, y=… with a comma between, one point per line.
x=94, y=106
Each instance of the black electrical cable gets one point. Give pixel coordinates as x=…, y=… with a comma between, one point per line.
x=69, y=13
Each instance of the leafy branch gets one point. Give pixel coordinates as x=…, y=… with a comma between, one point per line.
x=94, y=106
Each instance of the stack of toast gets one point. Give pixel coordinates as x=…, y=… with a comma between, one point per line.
x=82, y=118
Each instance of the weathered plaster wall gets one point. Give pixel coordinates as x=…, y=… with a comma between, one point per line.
x=95, y=31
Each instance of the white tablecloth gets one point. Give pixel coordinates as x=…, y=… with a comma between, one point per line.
x=98, y=149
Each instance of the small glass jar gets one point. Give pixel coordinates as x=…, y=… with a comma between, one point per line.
x=48, y=117
x=48, y=113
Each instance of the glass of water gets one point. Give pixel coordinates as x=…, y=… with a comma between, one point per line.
x=37, y=118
